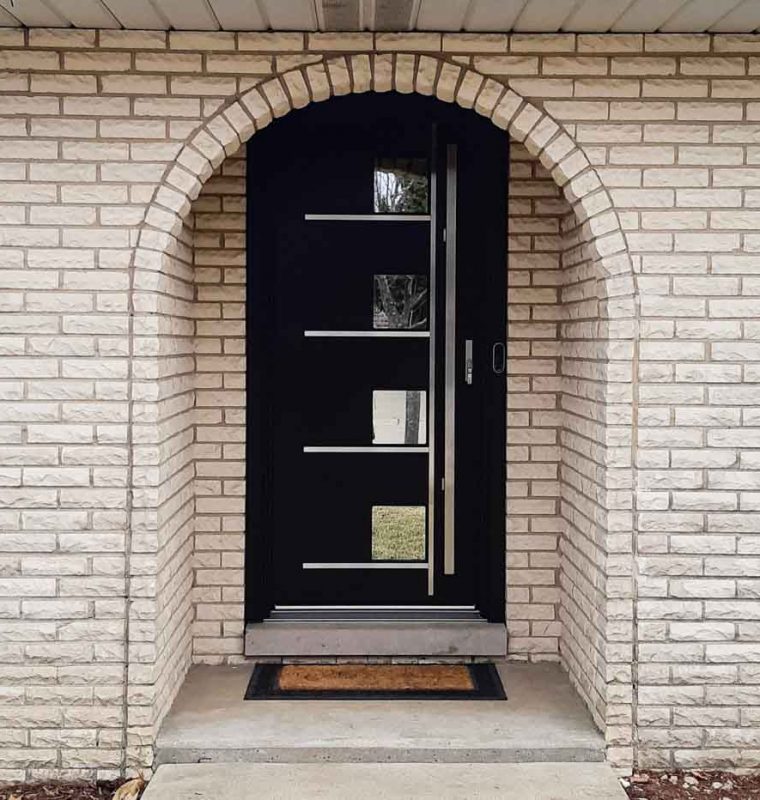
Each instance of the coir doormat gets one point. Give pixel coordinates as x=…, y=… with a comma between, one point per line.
x=375, y=682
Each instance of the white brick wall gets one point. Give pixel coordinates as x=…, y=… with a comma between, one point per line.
x=534, y=524
x=104, y=504
x=220, y=450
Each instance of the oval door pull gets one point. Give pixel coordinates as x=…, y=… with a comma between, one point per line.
x=499, y=358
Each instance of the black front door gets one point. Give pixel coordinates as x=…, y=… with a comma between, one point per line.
x=376, y=386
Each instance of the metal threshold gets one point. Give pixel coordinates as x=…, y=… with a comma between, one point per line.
x=319, y=616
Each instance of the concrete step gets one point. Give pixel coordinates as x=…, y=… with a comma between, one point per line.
x=542, y=720
x=545, y=781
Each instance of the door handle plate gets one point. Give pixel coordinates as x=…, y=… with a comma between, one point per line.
x=499, y=358
x=468, y=361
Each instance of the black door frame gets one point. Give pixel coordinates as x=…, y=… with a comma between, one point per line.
x=259, y=544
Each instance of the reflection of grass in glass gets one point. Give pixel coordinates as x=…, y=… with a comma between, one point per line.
x=398, y=533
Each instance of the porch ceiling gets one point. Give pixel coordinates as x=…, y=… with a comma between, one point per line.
x=536, y=16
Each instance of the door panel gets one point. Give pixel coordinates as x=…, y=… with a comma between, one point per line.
x=347, y=376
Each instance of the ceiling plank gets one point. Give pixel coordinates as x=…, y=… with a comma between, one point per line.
x=290, y=15
x=493, y=15
x=188, y=15
x=340, y=15
x=645, y=16
x=593, y=16
x=544, y=16
x=698, y=15
x=442, y=15
x=85, y=13
x=744, y=19
x=137, y=14
x=7, y=20
x=234, y=15
x=393, y=15
x=35, y=14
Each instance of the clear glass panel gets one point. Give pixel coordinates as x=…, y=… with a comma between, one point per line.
x=398, y=533
x=401, y=186
x=399, y=416
x=400, y=302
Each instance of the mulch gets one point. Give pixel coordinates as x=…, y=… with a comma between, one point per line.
x=60, y=791
x=695, y=785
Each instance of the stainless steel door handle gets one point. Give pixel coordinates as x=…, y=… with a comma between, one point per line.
x=468, y=361
x=499, y=358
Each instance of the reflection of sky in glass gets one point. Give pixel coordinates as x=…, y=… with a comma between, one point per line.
x=401, y=186
x=399, y=416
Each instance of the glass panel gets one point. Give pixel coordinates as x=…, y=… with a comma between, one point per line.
x=400, y=302
x=399, y=416
x=401, y=186
x=398, y=533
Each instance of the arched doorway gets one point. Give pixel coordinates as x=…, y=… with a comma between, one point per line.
x=376, y=380
x=194, y=583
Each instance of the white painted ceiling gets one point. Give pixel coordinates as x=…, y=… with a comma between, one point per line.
x=545, y=16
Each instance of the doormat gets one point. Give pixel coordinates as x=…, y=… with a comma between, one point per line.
x=375, y=682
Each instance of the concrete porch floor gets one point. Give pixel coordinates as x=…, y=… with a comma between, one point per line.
x=542, y=720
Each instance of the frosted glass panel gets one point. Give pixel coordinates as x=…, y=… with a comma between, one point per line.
x=399, y=416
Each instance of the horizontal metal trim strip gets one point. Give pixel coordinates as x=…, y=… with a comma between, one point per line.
x=317, y=609
x=367, y=334
x=367, y=217
x=364, y=565
x=400, y=450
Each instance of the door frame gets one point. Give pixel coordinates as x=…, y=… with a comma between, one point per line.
x=259, y=539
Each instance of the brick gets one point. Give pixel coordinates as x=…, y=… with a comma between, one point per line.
x=97, y=62
x=574, y=65
x=713, y=65
x=133, y=40
x=340, y=41
x=240, y=63
x=201, y=40
x=709, y=111
x=270, y=42
x=29, y=60
x=475, y=42
x=542, y=43
x=654, y=65
x=408, y=41
x=676, y=42
x=507, y=65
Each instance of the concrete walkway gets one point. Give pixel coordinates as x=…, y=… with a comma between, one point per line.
x=547, y=781
x=543, y=719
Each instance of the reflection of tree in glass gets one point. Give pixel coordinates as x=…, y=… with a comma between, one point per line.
x=412, y=426
x=401, y=186
x=400, y=302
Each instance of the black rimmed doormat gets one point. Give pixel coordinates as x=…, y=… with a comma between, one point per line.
x=375, y=682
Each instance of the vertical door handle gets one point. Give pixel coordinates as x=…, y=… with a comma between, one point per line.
x=468, y=361
x=450, y=366
x=499, y=358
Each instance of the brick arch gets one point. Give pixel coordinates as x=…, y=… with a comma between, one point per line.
x=523, y=120
x=155, y=297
